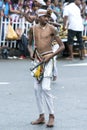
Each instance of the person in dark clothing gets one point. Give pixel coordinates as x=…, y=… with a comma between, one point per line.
x=23, y=45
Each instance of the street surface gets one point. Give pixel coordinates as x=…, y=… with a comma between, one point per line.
x=17, y=101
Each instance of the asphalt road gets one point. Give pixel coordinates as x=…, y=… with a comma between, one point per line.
x=17, y=101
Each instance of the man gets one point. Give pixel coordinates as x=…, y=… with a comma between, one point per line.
x=72, y=16
x=43, y=35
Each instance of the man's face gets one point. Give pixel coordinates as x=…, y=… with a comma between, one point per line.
x=43, y=19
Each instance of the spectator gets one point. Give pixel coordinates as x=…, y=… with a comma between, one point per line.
x=37, y=4
x=6, y=15
x=58, y=10
x=9, y=12
x=1, y=8
x=1, y=12
x=14, y=10
x=72, y=14
x=10, y=8
x=6, y=8
x=49, y=4
x=86, y=10
x=82, y=7
x=22, y=42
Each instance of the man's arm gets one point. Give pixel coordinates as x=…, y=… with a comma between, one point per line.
x=65, y=19
x=55, y=24
x=59, y=42
x=29, y=18
x=60, y=49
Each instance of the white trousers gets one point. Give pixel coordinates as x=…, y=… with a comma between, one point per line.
x=42, y=93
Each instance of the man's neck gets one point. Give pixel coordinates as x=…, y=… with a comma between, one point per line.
x=43, y=26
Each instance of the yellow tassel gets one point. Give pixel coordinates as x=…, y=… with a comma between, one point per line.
x=38, y=71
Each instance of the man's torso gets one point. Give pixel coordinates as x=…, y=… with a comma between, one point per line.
x=43, y=37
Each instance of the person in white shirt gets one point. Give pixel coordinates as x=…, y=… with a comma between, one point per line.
x=72, y=20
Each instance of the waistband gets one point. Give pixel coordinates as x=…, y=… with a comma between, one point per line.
x=46, y=53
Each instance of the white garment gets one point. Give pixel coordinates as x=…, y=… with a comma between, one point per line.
x=53, y=16
x=41, y=12
x=42, y=93
x=42, y=90
x=74, y=17
x=47, y=70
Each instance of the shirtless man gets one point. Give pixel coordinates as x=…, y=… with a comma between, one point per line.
x=43, y=35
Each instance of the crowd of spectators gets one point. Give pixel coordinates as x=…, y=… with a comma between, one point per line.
x=10, y=7
x=14, y=9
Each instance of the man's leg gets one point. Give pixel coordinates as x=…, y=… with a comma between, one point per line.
x=39, y=100
x=40, y=120
x=71, y=35
x=54, y=71
x=70, y=49
x=81, y=45
x=81, y=54
x=49, y=100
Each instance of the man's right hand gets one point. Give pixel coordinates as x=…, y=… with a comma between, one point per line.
x=32, y=57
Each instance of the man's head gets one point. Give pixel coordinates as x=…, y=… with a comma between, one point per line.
x=42, y=15
x=77, y=2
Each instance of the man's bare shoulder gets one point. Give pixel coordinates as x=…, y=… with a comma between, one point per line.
x=51, y=26
x=53, y=29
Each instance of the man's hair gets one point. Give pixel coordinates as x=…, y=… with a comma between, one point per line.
x=70, y=1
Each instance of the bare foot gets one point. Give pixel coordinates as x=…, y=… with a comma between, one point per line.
x=69, y=58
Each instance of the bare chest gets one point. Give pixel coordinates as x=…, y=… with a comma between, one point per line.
x=43, y=34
